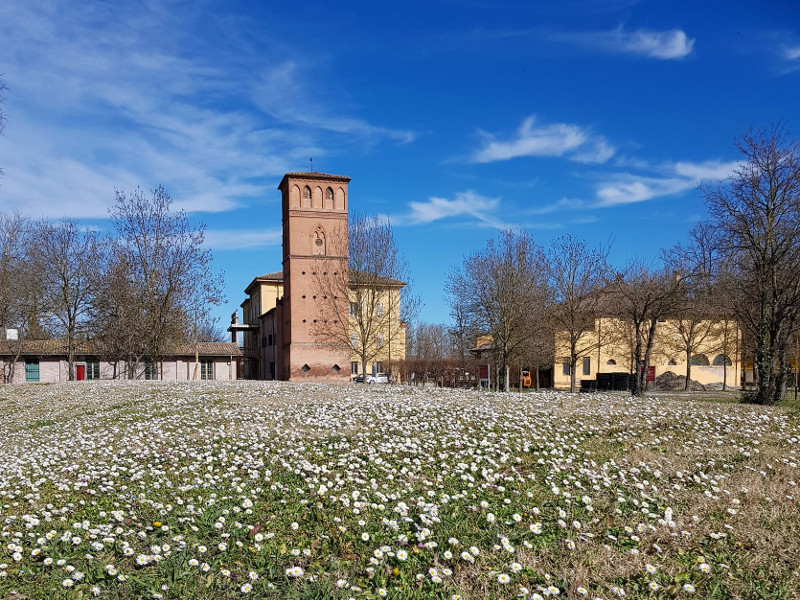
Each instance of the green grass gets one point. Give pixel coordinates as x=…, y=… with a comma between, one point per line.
x=215, y=490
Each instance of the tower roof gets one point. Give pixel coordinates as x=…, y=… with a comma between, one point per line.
x=314, y=176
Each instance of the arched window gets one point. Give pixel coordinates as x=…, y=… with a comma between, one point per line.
x=611, y=361
x=306, y=197
x=721, y=360
x=329, y=198
x=700, y=360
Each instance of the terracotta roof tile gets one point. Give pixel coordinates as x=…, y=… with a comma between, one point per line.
x=59, y=348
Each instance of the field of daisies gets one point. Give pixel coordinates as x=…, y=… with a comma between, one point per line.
x=230, y=490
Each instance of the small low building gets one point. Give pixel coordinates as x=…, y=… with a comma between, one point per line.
x=46, y=361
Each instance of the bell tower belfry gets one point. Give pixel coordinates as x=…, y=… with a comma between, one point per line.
x=314, y=209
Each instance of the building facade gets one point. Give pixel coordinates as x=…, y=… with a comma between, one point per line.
x=714, y=352
x=45, y=361
x=296, y=321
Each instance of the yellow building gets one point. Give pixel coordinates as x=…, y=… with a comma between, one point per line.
x=376, y=329
x=711, y=349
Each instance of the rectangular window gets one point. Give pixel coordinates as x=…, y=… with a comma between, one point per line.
x=206, y=369
x=354, y=340
x=92, y=369
x=379, y=310
x=565, y=370
x=353, y=309
x=379, y=340
x=379, y=367
x=587, y=365
x=150, y=371
x=353, y=368
x=31, y=369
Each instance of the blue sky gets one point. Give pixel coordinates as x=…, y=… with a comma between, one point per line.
x=455, y=119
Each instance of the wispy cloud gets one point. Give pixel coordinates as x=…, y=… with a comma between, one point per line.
x=664, y=45
x=557, y=139
x=96, y=105
x=289, y=93
x=682, y=176
x=467, y=203
x=240, y=239
x=565, y=204
x=791, y=52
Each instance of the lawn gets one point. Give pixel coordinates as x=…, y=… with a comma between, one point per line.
x=230, y=490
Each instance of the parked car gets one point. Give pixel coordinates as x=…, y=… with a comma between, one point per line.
x=378, y=378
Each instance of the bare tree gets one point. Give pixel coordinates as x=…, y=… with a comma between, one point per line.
x=498, y=290
x=538, y=351
x=428, y=340
x=209, y=330
x=429, y=352
x=577, y=275
x=757, y=216
x=642, y=297
x=119, y=317
x=372, y=323
x=20, y=288
x=163, y=274
x=699, y=313
x=71, y=262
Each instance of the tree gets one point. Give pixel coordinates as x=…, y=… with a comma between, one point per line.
x=642, y=297
x=20, y=287
x=376, y=284
x=209, y=330
x=699, y=315
x=71, y=262
x=756, y=214
x=576, y=275
x=500, y=290
x=162, y=277
x=428, y=351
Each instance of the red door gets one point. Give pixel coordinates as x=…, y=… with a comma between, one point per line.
x=80, y=372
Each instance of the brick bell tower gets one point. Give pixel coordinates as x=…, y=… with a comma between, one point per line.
x=314, y=246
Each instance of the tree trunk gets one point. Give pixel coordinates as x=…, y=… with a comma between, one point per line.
x=688, y=370
x=573, y=365
x=763, y=362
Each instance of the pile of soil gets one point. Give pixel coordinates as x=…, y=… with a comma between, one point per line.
x=672, y=382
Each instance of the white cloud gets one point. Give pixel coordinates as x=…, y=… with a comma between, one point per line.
x=465, y=203
x=115, y=95
x=683, y=176
x=791, y=52
x=631, y=188
x=709, y=170
x=565, y=204
x=284, y=92
x=557, y=139
x=665, y=45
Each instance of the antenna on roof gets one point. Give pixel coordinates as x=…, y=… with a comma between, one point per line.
x=311, y=161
